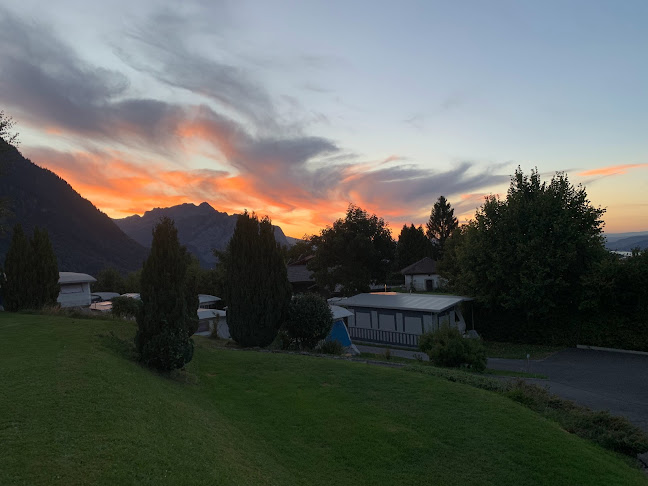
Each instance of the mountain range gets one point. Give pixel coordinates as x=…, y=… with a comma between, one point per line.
x=626, y=241
x=200, y=228
x=84, y=239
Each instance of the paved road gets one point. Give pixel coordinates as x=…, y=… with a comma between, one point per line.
x=601, y=380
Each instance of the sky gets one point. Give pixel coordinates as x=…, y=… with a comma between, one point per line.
x=295, y=109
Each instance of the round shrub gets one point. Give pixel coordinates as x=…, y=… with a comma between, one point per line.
x=168, y=350
x=125, y=307
x=309, y=320
x=447, y=347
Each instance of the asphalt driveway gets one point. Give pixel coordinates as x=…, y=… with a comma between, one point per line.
x=600, y=380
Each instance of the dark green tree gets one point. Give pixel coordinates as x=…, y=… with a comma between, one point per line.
x=8, y=139
x=523, y=258
x=44, y=270
x=7, y=135
x=206, y=280
x=299, y=250
x=412, y=246
x=615, y=303
x=257, y=291
x=309, y=320
x=168, y=317
x=133, y=281
x=17, y=287
x=353, y=253
x=441, y=224
x=110, y=280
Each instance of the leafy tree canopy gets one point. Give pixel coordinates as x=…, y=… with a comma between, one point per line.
x=412, y=246
x=110, y=280
x=7, y=134
x=353, y=253
x=527, y=254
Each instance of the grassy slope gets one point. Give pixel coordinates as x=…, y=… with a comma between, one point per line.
x=73, y=410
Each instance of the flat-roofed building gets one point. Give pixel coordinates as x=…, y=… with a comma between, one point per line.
x=399, y=318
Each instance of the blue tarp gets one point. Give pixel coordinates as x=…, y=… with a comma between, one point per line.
x=339, y=333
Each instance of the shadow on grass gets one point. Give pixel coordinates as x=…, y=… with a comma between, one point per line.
x=125, y=348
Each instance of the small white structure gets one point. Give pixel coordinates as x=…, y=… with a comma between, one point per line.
x=422, y=275
x=210, y=318
x=206, y=301
x=75, y=289
x=399, y=319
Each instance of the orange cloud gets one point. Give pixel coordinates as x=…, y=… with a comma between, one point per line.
x=612, y=170
x=121, y=187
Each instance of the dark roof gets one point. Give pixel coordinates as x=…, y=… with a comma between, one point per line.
x=299, y=273
x=302, y=260
x=423, y=266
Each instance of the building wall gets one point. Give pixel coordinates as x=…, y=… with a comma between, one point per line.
x=74, y=295
x=410, y=322
x=418, y=281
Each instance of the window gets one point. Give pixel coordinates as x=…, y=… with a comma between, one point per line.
x=72, y=288
x=412, y=323
x=363, y=318
x=387, y=322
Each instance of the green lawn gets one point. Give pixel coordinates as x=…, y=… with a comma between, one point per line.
x=75, y=410
x=409, y=361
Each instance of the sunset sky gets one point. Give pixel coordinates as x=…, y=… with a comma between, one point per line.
x=296, y=108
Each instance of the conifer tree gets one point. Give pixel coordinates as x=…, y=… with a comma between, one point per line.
x=17, y=290
x=167, y=318
x=44, y=270
x=441, y=224
x=257, y=291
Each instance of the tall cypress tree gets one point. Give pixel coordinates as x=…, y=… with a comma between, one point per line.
x=441, y=224
x=17, y=288
x=168, y=317
x=257, y=291
x=44, y=270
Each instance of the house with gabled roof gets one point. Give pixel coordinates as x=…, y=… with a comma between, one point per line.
x=422, y=276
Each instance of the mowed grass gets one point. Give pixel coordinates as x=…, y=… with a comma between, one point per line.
x=75, y=410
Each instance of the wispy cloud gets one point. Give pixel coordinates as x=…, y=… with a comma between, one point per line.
x=612, y=170
x=130, y=149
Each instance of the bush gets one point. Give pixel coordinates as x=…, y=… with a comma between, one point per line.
x=330, y=347
x=125, y=307
x=458, y=376
x=309, y=320
x=168, y=350
x=447, y=347
x=611, y=432
x=282, y=342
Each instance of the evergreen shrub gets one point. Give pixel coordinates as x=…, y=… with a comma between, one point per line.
x=309, y=320
x=168, y=317
x=125, y=307
x=447, y=347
